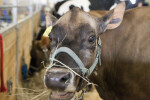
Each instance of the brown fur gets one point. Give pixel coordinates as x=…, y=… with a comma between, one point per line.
x=125, y=70
x=38, y=56
x=73, y=30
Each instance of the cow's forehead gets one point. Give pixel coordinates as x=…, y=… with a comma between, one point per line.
x=75, y=17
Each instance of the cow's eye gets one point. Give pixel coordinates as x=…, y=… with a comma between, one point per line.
x=91, y=39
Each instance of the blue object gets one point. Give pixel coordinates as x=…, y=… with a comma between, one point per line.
x=5, y=12
x=7, y=16
x=42, y=16
x=24, y=71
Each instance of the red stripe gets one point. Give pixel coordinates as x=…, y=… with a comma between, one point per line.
x=2, y=89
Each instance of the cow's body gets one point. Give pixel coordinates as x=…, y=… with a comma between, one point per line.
x=125, y=70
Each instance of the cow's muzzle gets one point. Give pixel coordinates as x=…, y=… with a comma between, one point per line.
x=61, y=83
x=57, y=80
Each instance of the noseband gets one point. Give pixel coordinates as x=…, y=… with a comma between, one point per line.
x=78, y=61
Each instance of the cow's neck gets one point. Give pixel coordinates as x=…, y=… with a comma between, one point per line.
x=124, y=58
x=108, y=57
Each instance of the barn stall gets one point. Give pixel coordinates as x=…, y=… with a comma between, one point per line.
x=17, y=38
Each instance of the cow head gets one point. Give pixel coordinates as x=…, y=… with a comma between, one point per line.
x=39, y=53
x=78, y=31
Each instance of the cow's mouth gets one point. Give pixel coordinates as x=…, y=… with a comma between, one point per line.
x=61, y=95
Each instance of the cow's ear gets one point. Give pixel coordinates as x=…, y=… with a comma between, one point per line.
x=113, y=18
x=50, y=19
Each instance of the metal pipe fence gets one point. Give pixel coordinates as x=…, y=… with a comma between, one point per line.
x=15, y=24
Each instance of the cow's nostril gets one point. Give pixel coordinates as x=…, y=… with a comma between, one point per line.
x=57, y=80
x=66, y=77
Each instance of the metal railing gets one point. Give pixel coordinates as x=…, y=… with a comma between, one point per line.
x=15, y=24
x=14, y=6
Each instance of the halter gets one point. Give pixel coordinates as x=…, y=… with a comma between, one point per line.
x=73, y=55
x=78, y=61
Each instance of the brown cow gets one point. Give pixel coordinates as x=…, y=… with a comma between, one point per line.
x=125, y=70
x=39, y=55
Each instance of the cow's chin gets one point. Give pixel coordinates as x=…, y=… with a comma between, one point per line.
x=57, y=95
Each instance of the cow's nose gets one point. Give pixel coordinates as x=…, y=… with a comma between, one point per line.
x=57, y=80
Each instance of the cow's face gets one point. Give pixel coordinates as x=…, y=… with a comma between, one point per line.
x=78, y=31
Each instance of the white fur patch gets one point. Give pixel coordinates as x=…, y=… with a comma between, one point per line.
x=78, y=3
x=133, y=1
x=113, y=6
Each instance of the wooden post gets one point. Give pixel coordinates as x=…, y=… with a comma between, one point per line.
x=1, y=2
